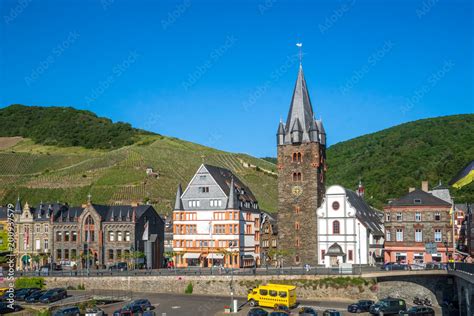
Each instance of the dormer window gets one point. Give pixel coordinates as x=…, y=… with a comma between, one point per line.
x=417, y=201
x=203, y=189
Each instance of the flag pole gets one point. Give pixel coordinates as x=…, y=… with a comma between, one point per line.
x=454, y=240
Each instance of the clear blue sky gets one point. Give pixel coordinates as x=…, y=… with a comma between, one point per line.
x=221, y=73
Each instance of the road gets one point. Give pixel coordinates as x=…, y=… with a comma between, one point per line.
x=197, y=305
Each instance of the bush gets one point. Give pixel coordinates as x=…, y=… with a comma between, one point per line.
x=43, y=312
x=25, y=282
x=189, y=288
x=81, y=287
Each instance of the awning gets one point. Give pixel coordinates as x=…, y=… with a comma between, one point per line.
x=335, y=250
x=247, y=257
x=215, y=256
x=191, y=255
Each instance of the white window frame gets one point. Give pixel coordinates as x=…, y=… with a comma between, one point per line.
x=438, y=235
x=418, y=235
x=399, y=234
x=418, y=217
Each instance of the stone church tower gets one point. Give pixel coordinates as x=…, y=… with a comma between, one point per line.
x=301, y=144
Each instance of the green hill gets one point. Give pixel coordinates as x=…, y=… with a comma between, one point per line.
x=394, y=159
x=64, y=126
x=39, y=171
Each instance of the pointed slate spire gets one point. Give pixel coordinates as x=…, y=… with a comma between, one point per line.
x=178, y=204
x=301, y=108
x=18, y=205
x=120, y=215
x=112, y=216
x=128, y=216
x=75, y=216
x=281, y=133
x=232, y=203
x=313, y=131
x=322, y=132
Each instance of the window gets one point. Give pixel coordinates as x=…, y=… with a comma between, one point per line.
x=203, y=189
x=66, y=254
x=297, y=259
x=437, y=216
x=219, y=215
x=388, y=235
x=387, y=217
x=263, y=292
x=296, y=157
x=59, y=236
x=66, y=236
x=335, y=227
x=350, y=255
x=399, y=234
x=418, y=235
x=119, y=254
x=297, y=226
x=46, y=244
x=297, y=243
x=297, y=176
x=194, y=203
x=46, y=228
x=127, y=236
x=73, y=254
x=417, y=201
x=248, y=229
x=438, y=236
x=399, y=216
x=323, y=253
x=38, y=228
x=119, y=236
x=219, y=229
x=282, y=294
x=111, y=236
x=274, y=242
x=297, y=209
x=273, y=293
x=74, y=236
x=111, y=254
x=335, y=205
x=418, y=217
x=58, y=254
x=215, y=203
x=37, y=244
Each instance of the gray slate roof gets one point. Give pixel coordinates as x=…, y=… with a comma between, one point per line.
x=223, y=177
x=421, y=197
x=365, y=214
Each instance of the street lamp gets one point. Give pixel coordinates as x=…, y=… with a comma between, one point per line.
x=231, y=245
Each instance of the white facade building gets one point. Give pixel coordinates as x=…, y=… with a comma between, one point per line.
x=349, y=230
x=216, y=221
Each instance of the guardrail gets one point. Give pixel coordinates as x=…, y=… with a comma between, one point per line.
x=205, y=271
x=463, y=267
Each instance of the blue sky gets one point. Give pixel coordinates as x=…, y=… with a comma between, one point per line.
x=221, y=73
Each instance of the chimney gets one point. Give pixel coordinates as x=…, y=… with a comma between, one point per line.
x=424, y=186
x=411, y=190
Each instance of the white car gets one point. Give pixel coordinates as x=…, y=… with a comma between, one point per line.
x=94, y=312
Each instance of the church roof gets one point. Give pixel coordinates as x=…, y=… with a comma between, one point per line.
x=365, y=214
x=301, y=108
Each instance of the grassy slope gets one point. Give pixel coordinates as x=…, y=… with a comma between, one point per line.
x=68, y=174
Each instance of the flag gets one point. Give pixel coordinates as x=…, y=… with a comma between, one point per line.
x=464, y=177
x=451, y=211
x=26, y=238
x=299, y=44
x=145, y=232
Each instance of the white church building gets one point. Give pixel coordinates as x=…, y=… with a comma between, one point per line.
x=349, y=230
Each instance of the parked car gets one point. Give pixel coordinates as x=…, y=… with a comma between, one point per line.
x=388, y=306
x=5, y=309
x=307, y=311
x=391, y=266
x=360, y=306
x=417, y=266
x=94, y=311
x=35, y=296
x=331, y=312
x=149, y=313
x=418, y=311
x=119, y=266
x=257, y=311
x=129, y=310
x=283, y=308
x=53, y=295
x=279, y=313
x=68, y=311
x=22, y=294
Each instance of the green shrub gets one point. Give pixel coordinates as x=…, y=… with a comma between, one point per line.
x=81, y=287
x=24, y=282
x=43, y=312
x=189, y=288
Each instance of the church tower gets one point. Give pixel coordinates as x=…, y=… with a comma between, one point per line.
x=301, y=146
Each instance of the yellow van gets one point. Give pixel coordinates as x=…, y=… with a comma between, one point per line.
x=272, y=295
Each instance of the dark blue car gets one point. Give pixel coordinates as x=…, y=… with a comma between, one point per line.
x=360, y=307
x=257, y=311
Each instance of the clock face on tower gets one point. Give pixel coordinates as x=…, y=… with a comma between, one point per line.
x=296, y=190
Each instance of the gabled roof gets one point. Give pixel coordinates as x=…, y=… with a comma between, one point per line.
x=223, y=178
x=419, y=198
x=365, y=214
x=106, y=212
x=43, y=211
